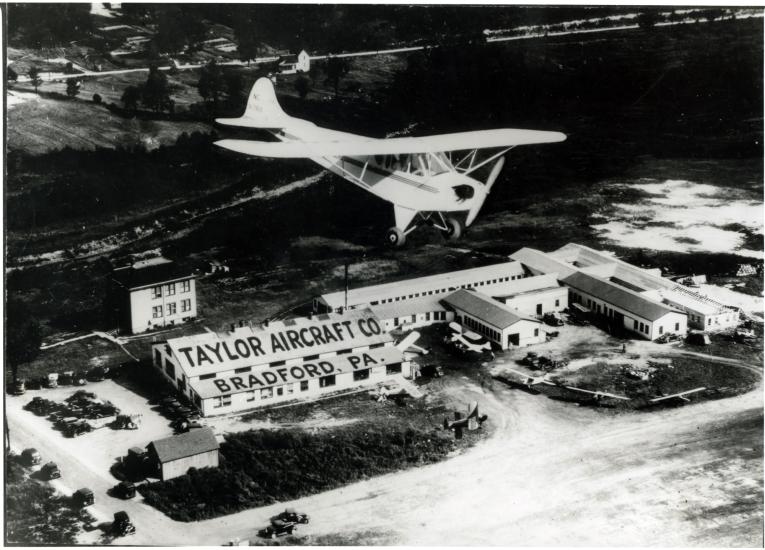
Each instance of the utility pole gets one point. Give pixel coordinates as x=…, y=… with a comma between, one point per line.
x=346, y=285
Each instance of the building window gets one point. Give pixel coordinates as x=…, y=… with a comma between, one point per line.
x=290, y=389
x=171, y=308
x=243, y=369
x=277, y=364
x=280, y=390
x=326, y=381
x=156, y=312
x=641, y=327
x=304, y=385
x=310, y=358
x=170, y=369
x=709, y=321
x=661, y=330
x=185, y=286
x=536, y=332
x=156, y=292
x=207, y=376
x=557, y=303
x=157, y=358
x=677, y=326
x=361, y=375
x=250, y=395
x=393, y=368
x=635, y=325
x=170, y=289
x=223, y=401
x=266, y=393
x=186, y=305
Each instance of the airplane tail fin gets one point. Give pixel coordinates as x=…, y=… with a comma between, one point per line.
x=263, y=109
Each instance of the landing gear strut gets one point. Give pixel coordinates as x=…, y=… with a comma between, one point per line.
x=453, y=228
x=395, y=237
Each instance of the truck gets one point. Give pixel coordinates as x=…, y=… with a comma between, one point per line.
x=19, y=387
x=122, y=526
x=124, y=490
x=52, y=380
x=83, y=497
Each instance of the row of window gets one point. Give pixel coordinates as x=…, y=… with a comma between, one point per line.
x=170, y=309
x=169, y=289
x=480, y=328
x=289, y=389
x=444, y=290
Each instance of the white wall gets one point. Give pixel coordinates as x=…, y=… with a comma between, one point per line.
x=527, y=303
x=141, y=304
x=526, y=334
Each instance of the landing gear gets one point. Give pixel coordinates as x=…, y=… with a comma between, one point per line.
x=453, y=229
x=395, y=237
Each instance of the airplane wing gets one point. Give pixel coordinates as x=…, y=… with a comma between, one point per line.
x=462, y=141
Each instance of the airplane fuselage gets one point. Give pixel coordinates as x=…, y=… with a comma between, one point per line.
x=414, y=182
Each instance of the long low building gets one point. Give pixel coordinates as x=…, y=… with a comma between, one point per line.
x=643, y=289
x=281, y=361
x=438, y=286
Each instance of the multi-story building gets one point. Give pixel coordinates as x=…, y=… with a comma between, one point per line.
x=151, y=295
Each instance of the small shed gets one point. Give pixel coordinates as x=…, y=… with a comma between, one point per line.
x=174, y=455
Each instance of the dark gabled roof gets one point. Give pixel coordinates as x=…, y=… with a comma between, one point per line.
x=487, y=309
x=131, y=277
x=618, y=296
x=191, y=443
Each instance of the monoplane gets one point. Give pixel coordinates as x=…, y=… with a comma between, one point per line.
x=429, y=180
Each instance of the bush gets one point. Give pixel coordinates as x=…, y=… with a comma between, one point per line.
x=97, y=99
x=261, y=467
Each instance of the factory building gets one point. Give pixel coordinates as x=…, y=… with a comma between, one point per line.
x=152, y=294
x=504, y=326
x=292, y=360
x=173, y=456
x=643, y=286
x=486, y=279
x=410, y=314
x=626, y=308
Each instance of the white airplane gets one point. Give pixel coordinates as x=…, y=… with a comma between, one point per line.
x=419, y=175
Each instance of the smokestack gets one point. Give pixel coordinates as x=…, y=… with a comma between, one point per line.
x=346, y=285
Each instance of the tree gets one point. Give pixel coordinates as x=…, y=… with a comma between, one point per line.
x=97, y=99
x=12, y=75
x=72, y=87
x=234, y=85
x=244, y=34
x=34, y=77
x=23, y=335
x=336, y=68
x=156, y=92
x=130, y=97
x=302, y=86
x=211, y=82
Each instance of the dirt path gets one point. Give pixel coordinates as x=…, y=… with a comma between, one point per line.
x=689, y=476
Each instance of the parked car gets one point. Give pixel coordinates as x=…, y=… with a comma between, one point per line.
x=19, y=387
x=31, y=457
x=83, y=497
x=124, y=490
x=50, y=471
x=431, y=370
x=552, y=319
x=122, y=525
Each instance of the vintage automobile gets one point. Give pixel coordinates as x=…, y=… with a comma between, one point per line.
x=291, y=515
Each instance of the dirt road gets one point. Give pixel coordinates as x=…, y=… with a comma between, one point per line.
x=688, y=476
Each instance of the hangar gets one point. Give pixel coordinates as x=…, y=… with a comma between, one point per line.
x=504, y=326
x=281, y=361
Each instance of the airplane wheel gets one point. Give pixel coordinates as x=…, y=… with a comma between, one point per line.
x=454, y=230
x=395, y=237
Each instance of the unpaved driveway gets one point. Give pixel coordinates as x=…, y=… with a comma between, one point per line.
x=552, y=474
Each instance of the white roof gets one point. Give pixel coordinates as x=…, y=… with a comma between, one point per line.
x=210, y=352
x=523, y=286
x=443, y=281
x=544, y=263
x=407, y=308
x=693, y=301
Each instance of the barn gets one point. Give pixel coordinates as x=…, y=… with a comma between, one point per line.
x=173, y=456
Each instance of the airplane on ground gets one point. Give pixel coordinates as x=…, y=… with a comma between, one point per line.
x=679, y=396
x=422, y=177
x=472, y=421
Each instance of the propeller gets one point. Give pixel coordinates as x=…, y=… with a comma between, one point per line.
x=478, y=203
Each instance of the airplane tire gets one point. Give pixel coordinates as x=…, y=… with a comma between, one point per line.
x=395, y=237
x=454, y=230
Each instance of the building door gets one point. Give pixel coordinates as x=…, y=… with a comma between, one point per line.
x=513, y=339
x=539, y=309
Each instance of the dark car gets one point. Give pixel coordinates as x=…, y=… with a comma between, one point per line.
x=552, y=319
x=30, y=457
x=290, y=515
x=124, y=490
x=433, y=371
x=278, y=528
x=83, y=497
x=122, y=525
x=50, y=471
